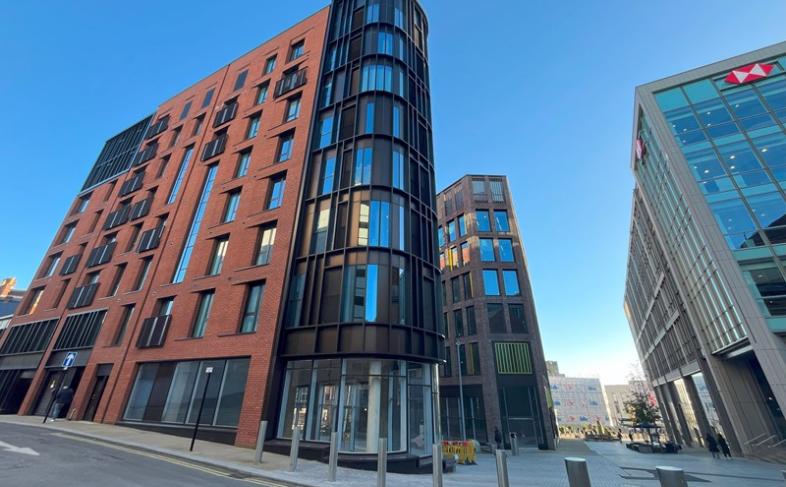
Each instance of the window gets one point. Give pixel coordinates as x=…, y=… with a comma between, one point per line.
x=465, y=257
x=243, y=162
x=175, y=136
x=486, y=250
x=479, y=189
x=254, y=292
x=369, y=118
x=458, y=323
x=467, y=278
x=51, y=266
x=513, y=358
x=208, y=97
x=482, y=221
x=202, y=314
x=451, y=230
x=496, y=191
x=186, y=109
x=505, y=250
x=360, y=293
x=462, y=226
x=262, y=92
x=198, y=125
x=328, y=173
x=326, y=129
x=441, y=236
x=68, y=233
x=470, y=361
x=219, y=252
x=446, y=368
x=397, y=167
x=253, y=126
x=496, y=317
x=455, y=289
x=196, y=221
x=490, y=282
x=518, y=323
x=33, y=300
x=119, y=271
x=361, y=173
x=142, y=275
x=296, y=50
x=241, y=79
x=125, y=318
x=82, y=204
x=501, y=223
x=275, y=195
x=181, y=172
x=293, y=109
x=230, y=211
x=319, y=238
x=511, y=280
x=472, y=328
x=285, y=146
x=374, y=223
x=267, y=237
x=270, y=65
x=453, y=258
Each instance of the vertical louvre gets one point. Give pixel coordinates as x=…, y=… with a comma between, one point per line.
x=153, y=333
x=115, y=158
x=80, y=331
x=28, y=338
x=513, y=358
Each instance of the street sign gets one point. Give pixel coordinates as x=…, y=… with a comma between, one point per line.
x=69, y=360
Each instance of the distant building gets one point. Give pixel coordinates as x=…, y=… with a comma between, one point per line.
x=9, y=298
x=493, y=344
x=552, y=367
x=579, y=401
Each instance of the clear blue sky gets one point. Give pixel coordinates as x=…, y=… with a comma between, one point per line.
x=539, y=90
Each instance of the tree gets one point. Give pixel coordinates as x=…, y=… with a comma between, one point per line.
x=641, y=410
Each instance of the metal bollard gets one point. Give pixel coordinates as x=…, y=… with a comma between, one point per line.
x=502, y=469
x=514, y=444
x=382, y=461
x=294, y=450
x=578, y=475
x=333, y=458
x=260, y=441
x=436, y=465
x=784, y=474
x=671, y=477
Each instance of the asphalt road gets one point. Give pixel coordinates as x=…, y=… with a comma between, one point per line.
x=69, y=461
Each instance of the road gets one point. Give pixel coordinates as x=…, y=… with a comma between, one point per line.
x=60, y=460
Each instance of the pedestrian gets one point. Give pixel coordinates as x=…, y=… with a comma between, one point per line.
x=497, y=438
x=630, y=435
x=724, y=446
x=619, y=435
x=712, y=445
x=62, y=401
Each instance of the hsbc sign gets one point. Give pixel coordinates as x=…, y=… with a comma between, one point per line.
x=749, y=73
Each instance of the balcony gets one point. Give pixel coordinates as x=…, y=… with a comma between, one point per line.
x=289, y=82
x=145, y=154
x=117, y=217
x=150, y=239
x=82, y=296
x=225, y=114
x=70, y=265
x=133, y=184
x=140, y=208
x=101, y=255
x=153, y=333
x=215, y=147
x=158, y=127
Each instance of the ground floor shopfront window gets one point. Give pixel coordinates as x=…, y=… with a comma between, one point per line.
x=171, y=392
x=363, y=400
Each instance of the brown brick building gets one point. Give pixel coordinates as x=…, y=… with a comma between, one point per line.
x=493, y=351
x=204, y=231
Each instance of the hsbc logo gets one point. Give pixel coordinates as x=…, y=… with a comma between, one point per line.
x=749, y=73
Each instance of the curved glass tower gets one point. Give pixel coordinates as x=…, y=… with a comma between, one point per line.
x=361, y=335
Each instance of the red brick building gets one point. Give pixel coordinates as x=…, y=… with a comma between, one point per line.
x=189, y=236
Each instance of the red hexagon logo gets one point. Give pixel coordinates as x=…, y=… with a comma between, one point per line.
x=749, y=73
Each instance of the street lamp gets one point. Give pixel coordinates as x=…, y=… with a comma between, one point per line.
x=461, y=396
